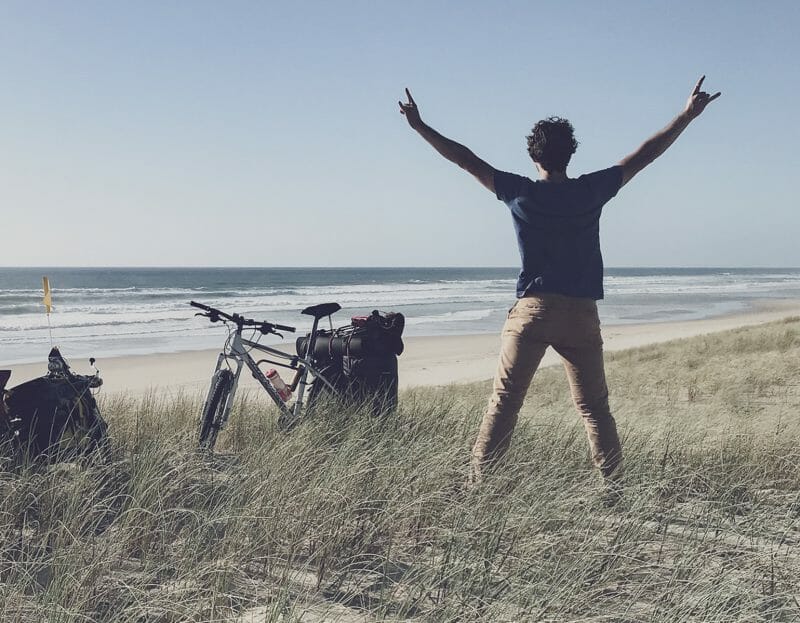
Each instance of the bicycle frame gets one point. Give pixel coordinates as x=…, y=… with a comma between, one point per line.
x=239, y=351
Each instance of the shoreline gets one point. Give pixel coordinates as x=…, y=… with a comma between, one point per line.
x=427, y=361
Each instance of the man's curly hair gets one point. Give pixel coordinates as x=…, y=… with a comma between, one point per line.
x=551, y=143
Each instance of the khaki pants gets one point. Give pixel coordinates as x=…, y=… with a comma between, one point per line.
x=571, y=326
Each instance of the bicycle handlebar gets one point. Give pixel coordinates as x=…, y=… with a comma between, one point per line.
x=214, y=315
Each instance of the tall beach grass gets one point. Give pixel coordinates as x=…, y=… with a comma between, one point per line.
x=351, y=518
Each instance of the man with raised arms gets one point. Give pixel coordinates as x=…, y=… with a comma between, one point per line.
x=556, y=220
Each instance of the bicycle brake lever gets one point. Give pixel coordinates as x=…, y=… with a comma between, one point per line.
x=267, y=330
x=210, y=315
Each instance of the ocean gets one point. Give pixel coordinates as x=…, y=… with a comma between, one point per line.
x=105, y=312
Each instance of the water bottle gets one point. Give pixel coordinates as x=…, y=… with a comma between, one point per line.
x=279, y=385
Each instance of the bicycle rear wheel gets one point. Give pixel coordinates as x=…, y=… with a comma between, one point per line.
x=320, y=393
x=211, y=418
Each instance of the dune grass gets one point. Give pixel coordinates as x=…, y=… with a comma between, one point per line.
x=349, y=518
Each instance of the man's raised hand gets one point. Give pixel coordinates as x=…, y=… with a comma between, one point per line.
x=698, y=100
x=410, y=111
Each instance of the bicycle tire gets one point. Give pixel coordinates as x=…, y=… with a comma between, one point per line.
x=9, y=446
x=320, y=393
x=210, y=420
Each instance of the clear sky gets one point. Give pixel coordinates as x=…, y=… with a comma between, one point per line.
x=268, y=133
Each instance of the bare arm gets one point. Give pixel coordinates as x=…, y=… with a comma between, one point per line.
x=454, y=152
x=657, y=144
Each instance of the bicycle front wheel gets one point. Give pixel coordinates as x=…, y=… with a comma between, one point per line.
x=211, y=418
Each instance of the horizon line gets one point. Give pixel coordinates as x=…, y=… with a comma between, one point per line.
x=344, y=267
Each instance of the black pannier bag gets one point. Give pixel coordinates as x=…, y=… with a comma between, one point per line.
x=54, y=417
x=372, y=381
x=361, y=359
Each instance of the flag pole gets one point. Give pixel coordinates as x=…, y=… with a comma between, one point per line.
x=48, y=305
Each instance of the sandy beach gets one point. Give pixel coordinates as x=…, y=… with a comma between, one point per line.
x=440, y=360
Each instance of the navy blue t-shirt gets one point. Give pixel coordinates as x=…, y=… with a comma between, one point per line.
x=558, y=230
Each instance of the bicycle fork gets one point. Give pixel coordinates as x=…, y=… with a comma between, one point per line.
x=229, y=396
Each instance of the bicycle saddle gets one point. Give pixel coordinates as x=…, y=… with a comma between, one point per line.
x=321, y=310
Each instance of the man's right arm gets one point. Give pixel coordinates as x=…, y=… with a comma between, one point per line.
x=656, y=145
x=454, y=152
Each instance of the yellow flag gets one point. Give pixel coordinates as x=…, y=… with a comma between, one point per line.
x=47, y=300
